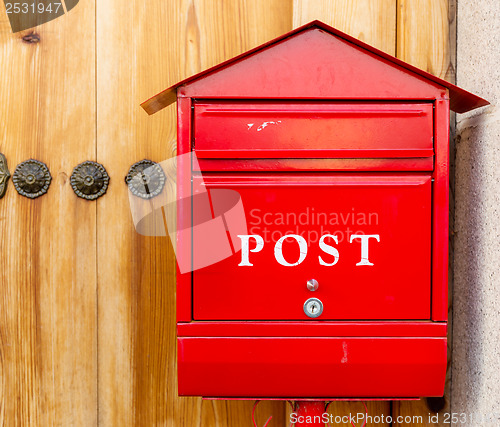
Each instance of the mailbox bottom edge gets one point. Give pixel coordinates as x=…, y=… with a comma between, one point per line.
x=335, y=367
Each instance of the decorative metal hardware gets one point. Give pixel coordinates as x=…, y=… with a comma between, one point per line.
x=145, y=179
x=89, y=180
x=4, y=175
x=31, y=178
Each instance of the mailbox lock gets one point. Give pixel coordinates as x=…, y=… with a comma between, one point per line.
x=313, y=307
x=312, y=285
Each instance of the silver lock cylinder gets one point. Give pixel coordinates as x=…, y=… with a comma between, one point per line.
x=313, y=307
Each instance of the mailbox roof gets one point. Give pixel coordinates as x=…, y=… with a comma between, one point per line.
x=460, y=99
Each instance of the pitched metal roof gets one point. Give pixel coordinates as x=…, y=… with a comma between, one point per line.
x=460, y=99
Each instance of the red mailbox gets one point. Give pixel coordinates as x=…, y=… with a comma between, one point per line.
x=337, y=286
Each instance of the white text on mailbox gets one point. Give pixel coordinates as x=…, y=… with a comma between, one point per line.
x=328, y=249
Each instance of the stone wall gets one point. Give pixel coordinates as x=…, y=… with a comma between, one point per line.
x=476, y=297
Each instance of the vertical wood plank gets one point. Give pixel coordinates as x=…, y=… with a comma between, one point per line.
x=230, y=28
x=48, y=357
x=136, y=284
x=426, y=38
x=372, y=21
x=137, y=342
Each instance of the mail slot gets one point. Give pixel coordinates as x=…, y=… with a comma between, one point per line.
x=315, y=222
x=313, y=129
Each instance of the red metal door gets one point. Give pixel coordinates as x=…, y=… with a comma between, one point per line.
x=393, y=281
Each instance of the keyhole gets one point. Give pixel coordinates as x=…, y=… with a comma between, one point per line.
x=313, y=307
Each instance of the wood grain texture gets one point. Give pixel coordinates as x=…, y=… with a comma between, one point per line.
x=423, y=36
x=137, y=340
x=372, y=21
x=227, y=29
x=48, y=337
x=136, y=345
x=426, y=38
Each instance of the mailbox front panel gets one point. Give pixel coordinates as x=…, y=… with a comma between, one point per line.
x=394, y=282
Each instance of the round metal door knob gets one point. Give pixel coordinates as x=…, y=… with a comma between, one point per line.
x=312, y=285
x=313, y=307
x=31, y=178
x=89, y=180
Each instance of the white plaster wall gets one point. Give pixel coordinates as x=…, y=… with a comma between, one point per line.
x=476, y=297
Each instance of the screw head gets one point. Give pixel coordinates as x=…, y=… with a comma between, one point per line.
x=313, y=307
x=312, y=285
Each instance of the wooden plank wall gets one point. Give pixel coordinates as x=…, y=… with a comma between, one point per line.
x=87, y=330
x=48, y=335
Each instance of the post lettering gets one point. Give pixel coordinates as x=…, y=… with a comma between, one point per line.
x=245, y=247
x=278, y=250
x=364, y=246
x=330, y=250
